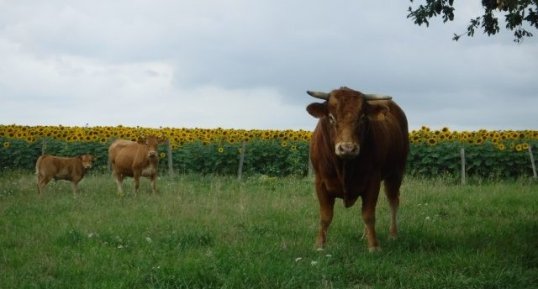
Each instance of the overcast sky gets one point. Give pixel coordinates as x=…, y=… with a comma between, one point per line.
x=247, y=64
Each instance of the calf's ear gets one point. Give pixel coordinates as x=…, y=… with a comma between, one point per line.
x=377, y=112
x=317, y=110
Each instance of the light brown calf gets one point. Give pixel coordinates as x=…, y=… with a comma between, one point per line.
x=61, y=168
x=135, y=159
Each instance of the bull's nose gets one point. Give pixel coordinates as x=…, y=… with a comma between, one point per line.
x=152, y=154
x=346, y=149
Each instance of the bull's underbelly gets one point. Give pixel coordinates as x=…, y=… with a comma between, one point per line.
x=340, y=190
x=334, y=187
x=349, y=191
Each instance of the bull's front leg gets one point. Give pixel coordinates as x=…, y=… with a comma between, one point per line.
x=326, y=212
x=369, y=201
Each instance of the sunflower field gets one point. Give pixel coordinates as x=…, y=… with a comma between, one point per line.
x=489, y=154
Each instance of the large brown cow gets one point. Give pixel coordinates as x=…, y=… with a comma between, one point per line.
x=359, y=141
x=135, y=159
x=61, y=168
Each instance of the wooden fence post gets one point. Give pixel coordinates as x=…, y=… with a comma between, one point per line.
x=532, y=163
x=241, y=160
x=462, y=155
x=169, y=154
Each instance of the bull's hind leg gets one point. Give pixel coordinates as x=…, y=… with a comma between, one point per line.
x=392, y=191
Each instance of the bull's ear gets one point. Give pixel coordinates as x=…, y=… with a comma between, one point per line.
x=377, y=112
x=317, y=110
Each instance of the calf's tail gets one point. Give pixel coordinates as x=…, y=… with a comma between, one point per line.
x=37, y=165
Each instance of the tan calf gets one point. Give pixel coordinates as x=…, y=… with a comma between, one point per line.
x=61, y=168
x=135, y=159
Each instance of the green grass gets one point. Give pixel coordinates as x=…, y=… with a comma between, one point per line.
x=216, y=232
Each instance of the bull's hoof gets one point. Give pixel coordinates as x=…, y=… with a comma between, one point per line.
x=374, y=249
x=319, y=246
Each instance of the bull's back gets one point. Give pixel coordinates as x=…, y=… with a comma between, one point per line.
x=401, y=132
x=391, y=138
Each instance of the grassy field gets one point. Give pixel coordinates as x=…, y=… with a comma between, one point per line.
x=216, y=232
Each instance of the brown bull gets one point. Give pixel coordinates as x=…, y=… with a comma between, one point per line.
x=61, y=168
x=360, y=140
x=135, y=159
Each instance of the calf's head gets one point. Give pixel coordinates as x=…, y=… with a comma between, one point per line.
x=347, y=113
x=151, y=143
x=86, y=161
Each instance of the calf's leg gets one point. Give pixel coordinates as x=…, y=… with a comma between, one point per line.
x=154, y=184
x=136, y=177
x=42, y=181
x=74, y=186
x=119, y=179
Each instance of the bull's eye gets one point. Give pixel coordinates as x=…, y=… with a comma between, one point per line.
x=332, y=119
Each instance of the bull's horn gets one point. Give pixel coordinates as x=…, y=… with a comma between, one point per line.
x=372, y=96
x=318, y=94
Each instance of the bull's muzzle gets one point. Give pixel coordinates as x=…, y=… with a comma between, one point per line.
x=152, y=154
x=347, y=149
